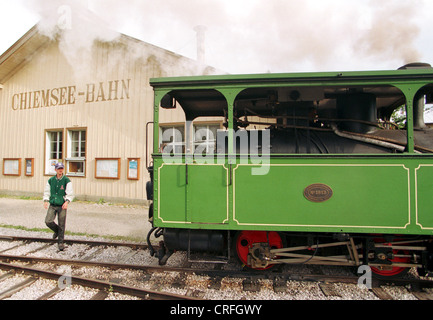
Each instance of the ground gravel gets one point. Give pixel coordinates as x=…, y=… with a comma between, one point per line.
x=199, y=286
x=230, y=289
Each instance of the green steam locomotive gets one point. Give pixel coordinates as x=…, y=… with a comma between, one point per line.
x=330, y=168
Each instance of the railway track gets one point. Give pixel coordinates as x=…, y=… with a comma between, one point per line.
x=66, y=280
x=192, y=282
x=17, y=266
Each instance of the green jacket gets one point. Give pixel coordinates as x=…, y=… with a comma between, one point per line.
x=57, y=191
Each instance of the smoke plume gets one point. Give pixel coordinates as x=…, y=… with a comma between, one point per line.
x=75, y=28
x=249, y=36
x=393, y=31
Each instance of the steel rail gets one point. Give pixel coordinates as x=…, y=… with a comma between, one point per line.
x=144, y=268
x=75, y=241
x=86, y=263
x=97, y=284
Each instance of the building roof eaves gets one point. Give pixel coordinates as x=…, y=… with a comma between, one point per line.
x=20, y=51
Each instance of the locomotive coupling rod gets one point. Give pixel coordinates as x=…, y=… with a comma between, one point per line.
x=314, y=247
x=288, y=255
x=314, y=261
x=296, y=255
x=400, y=247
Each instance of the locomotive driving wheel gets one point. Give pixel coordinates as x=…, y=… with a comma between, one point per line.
x=245, y=240
x=398, y=256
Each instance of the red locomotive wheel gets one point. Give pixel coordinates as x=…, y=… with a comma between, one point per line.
x=393, y=271
x=246, y=239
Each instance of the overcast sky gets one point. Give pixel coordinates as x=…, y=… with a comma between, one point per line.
x=248, y=36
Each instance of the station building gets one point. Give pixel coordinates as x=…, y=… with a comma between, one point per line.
x=91, y=111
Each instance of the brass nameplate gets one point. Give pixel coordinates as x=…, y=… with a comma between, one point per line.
x=318, y=192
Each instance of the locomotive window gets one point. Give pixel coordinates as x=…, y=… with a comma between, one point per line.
x=326, y=119
x=172, y=139
x=204, y=138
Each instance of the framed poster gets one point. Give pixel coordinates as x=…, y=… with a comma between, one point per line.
x=29, y=167
x=133, y=169
x=107, y=168
x=12, y=167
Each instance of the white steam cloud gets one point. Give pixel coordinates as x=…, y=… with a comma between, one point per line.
x=75, y=27
x=247, y=36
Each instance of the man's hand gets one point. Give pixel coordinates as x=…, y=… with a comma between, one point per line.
x=65, y=205
x=46, y=204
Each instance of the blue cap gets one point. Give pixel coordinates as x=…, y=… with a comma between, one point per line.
x=59, y=165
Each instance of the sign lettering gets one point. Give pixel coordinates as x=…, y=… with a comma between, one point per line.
x=94, y=92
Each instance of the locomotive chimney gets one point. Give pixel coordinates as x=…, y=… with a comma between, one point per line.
x=201, y=50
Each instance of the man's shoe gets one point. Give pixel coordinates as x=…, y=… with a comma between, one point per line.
x=55, y=235
x=61, y=246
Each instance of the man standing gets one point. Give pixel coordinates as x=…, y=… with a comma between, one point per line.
x=58, y=194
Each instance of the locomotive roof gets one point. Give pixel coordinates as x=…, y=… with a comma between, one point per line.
x=201, y=95
x=424, y=74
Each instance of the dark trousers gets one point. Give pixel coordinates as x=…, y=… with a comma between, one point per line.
x=52, y=212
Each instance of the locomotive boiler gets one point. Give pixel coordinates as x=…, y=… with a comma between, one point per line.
x=328, y=168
